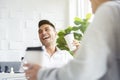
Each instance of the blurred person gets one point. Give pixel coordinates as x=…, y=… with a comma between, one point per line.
x=97, y=57
x=53, y=57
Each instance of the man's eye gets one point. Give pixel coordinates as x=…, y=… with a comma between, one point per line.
x=47, y=30
x=39, y=31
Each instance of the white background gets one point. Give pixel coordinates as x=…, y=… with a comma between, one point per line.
x=19, y=22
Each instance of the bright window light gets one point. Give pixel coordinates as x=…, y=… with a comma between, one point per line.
x=78, y=8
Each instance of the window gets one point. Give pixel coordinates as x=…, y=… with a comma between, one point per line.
x=78, y=8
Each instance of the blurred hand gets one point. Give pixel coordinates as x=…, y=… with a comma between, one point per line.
x=32, y=71
x=77, y=44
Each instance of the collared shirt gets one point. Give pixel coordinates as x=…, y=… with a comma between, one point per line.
x=58, y=59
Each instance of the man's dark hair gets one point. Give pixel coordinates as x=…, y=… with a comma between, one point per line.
x=42, y=22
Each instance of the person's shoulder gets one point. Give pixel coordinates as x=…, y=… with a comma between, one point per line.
x=111, y=3
x=108, y=8
x=65, y=54
x=63, y=51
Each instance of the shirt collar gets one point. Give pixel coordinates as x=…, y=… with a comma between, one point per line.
x=57, y=49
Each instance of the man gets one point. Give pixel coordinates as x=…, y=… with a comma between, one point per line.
x=53, y=57
x=100, y=47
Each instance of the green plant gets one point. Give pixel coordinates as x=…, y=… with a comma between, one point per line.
x=78, y=30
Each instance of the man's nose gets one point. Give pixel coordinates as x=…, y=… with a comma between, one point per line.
x=44, y=32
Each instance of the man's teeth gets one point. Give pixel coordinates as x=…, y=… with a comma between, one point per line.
x=45, y=37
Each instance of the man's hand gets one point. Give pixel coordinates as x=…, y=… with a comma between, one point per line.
x=77, y=44
x=32, y=71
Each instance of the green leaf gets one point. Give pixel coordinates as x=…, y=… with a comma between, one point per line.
x=77, y=21
x=61, y=33
x=77, y=36
x=83, y=28
x=63, y=47
x=75, y=28
x=61, y=40
x=88, y=16
x=61, y=44
x=79, y=27
x=68, y=30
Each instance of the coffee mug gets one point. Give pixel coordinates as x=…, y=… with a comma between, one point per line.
x=69, y=39
x=34, y=55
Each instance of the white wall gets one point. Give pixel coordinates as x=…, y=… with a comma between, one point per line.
x=19, y=19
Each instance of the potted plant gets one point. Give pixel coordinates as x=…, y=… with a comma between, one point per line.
x=78, y=30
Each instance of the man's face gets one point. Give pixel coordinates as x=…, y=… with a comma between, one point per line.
x=47, y=34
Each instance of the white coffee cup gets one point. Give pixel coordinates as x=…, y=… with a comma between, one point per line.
x=33, y=56
x=69, y=39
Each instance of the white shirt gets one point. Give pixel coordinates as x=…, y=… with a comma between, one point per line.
x=101, y=39
x=58, y=59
